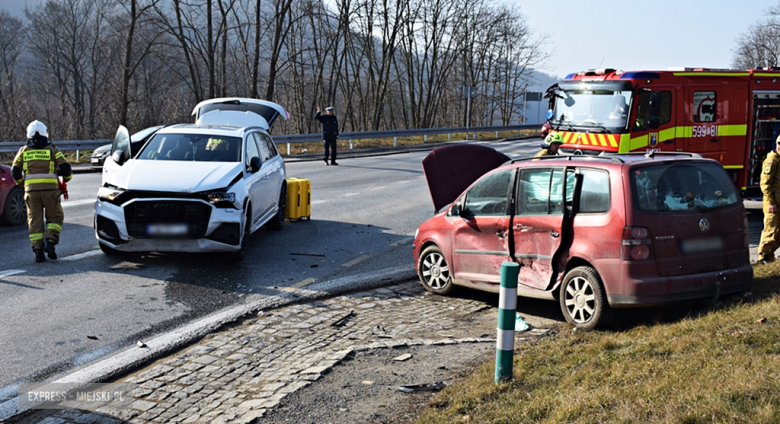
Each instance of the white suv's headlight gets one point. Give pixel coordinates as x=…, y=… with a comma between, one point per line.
x=220, y=197
x=109, y=193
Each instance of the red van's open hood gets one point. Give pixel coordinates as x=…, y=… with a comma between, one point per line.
x=451, y=169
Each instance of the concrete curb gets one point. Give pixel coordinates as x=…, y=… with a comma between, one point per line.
x=133, y=357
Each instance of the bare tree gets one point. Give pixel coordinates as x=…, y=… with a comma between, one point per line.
x=131, y=58
x=760, y=45
x=12, y=33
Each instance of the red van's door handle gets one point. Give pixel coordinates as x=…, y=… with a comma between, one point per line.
x=714, y=140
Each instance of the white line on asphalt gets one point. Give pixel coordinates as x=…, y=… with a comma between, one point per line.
x=81, y=255
x=351, y=194
x=70, y=203
x=304, y=283
x=10, y=272
x=317, y=202
x=356, y=261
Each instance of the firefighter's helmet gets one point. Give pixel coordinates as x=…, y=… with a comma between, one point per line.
x=37, y=127
x=553, y=138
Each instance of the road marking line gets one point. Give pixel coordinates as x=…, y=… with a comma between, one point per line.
x=69, y=203
x=356, y=261
x=303, y=283
x=351, y=194
x=317, y=202
x=81, y=255
x=400, y=242
x=10, y=272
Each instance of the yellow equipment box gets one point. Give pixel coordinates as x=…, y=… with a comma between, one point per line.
x=298, y=198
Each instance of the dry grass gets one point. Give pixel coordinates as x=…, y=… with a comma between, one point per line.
x=716, y=365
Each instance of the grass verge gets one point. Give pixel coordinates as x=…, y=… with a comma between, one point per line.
x=717, y=364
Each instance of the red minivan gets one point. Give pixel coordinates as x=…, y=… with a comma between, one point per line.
x=592, y=232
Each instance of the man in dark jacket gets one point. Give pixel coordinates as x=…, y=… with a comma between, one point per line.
x=38, y=166
x=330, y=132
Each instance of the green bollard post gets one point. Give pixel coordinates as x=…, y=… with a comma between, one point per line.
x=507, y=304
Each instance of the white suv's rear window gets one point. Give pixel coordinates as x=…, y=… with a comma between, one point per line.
x=682, y=187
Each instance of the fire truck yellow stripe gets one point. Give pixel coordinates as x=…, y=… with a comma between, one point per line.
x=726, y=130
x=613, y=140
x=602, y=140
x=637, y=143
x=624, y=142
x=764, y=74
x=712, y=74
x=667, y=134
x=733, y=166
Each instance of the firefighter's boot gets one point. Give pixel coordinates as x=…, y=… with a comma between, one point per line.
x=49, y=249
x=39, y=256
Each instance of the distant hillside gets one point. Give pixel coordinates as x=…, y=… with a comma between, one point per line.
x=537, y=111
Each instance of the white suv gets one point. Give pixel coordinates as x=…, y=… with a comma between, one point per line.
x=195, y=187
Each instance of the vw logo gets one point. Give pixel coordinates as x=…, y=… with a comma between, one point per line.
x=166, y=208
x=704, y=225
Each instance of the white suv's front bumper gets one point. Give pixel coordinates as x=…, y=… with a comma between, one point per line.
x=222, y=234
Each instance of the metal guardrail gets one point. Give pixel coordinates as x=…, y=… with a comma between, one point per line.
x=77, y=145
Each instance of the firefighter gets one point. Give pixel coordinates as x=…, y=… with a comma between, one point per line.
x=550, y=145
x=770, y=187
x=38, y=166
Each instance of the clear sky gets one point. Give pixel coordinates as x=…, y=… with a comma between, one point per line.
x=633, y=34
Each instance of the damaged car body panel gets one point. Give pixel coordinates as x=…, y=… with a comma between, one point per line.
x=450, y=169
x=593, y=233
x=191, y=188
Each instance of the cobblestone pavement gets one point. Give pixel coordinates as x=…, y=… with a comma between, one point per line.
x=237, y=373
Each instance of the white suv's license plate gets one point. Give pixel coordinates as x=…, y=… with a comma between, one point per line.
x=167, y=229
x=700, y=245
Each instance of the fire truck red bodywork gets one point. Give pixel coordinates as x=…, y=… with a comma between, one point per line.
x=732, y=116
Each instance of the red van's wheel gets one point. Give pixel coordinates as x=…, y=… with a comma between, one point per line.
x=434, y=272
x=583, y=300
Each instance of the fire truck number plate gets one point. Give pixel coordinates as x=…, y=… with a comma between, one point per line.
x=705, y=130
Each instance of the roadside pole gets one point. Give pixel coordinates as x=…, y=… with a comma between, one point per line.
x=505, y=339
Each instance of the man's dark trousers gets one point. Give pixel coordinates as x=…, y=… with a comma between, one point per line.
x=330, y=145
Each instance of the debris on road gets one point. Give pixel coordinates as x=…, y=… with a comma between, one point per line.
x=521, y=325
x=422, y=387
x=343, y=320
x=403, y=357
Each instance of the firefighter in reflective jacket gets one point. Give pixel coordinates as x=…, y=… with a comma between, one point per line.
x=38, y=166
x=550, y=145
x=770, y=187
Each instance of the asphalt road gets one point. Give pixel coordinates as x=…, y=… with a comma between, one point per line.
x=61, y=315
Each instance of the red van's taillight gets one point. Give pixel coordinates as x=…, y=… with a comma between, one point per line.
x=636, y=245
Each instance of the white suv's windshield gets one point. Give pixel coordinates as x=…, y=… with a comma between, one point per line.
x=592, y=108
x=192, y=147
x=696, y=187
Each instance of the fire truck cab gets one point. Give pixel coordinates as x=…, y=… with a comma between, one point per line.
x=732, y=116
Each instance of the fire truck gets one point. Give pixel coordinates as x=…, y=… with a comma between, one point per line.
x=732, y=116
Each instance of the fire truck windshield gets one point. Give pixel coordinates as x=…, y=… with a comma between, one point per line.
x=603, y=109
